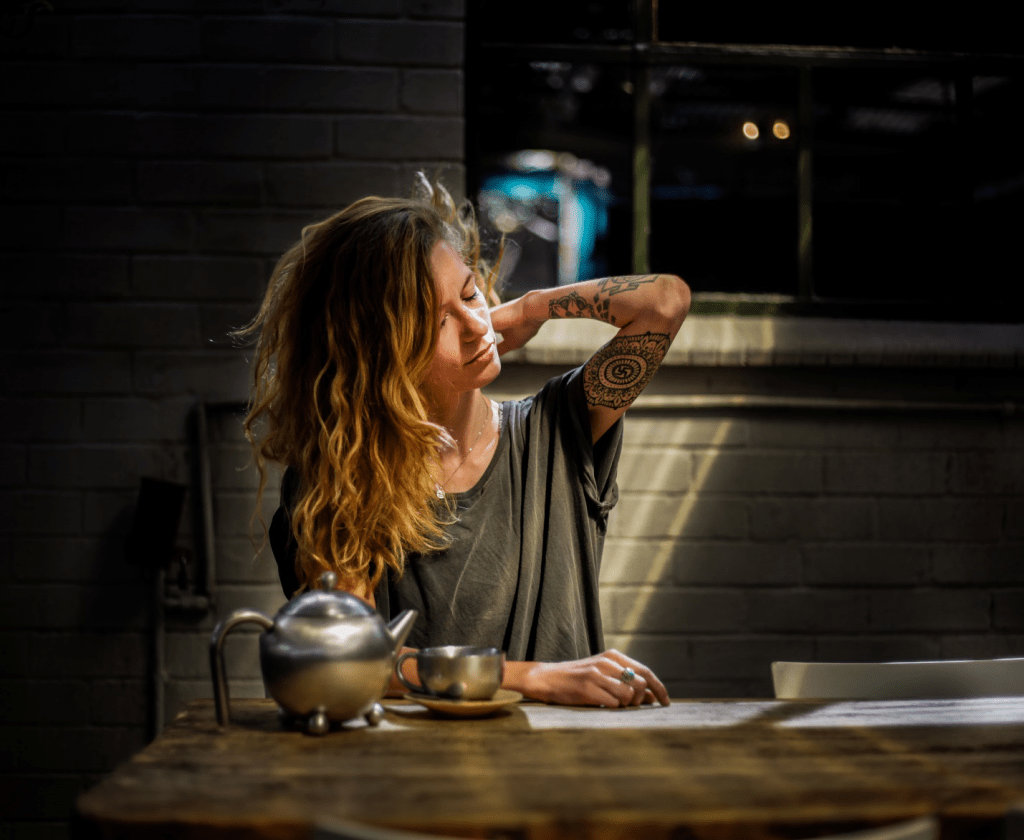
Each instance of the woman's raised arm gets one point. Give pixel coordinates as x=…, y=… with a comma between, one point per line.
x=648, y=309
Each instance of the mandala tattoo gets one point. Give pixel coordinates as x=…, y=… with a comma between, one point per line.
x=619, y=371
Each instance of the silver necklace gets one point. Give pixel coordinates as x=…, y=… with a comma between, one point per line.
x=439, y=491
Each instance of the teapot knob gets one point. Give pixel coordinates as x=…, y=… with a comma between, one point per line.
x=328, y=581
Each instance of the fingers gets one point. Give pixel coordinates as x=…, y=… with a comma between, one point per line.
x=651, y=684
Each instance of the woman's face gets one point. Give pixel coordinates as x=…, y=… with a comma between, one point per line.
x=466, y=356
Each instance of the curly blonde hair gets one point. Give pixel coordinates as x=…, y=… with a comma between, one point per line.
x=344, y=338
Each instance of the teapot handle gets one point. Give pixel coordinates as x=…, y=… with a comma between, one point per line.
x=217, y=669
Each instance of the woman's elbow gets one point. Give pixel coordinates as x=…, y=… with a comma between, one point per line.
x=673, y=302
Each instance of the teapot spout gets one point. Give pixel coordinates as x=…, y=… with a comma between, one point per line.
x=401, y=625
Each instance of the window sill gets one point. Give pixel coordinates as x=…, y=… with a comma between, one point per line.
x=738, y=341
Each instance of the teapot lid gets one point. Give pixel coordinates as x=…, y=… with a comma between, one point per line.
x=327, y=602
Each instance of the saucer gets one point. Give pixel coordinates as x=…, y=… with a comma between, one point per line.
x=467, y=708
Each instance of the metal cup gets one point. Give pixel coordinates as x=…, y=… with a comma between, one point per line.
x=455, y=672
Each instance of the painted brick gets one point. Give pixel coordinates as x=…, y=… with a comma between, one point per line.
x=266, y=598
x=148, y=38
x=180, y=693
x=108, y=512
x=982, y=646
x=826, y=431
x=239, y=562
x=76, y=748
x=128, y=229
x=247, y=233
x=1008, y=609
x=451, y=174
x=105, y=466
x=303, y=89
x=47, y=276
x=27, y=324
x=1014, y=519
x=124, y=324
x=268, y=38
x=64, y=373
x=218, y=321
x=66, y=179
x=44, y=559
x=32, y=133
x=997, y=473
x=338, y=8
x=894, y=473
x=675, y=430
x=32, y=796
x=188, y=654
x=805, y=611
x=106, y=606
x=929, y=610
x=713, y=689
x=28, y=227
x=863, y=648
x=758, y=472
x=952, y=432
x=866, y=564
x=198, y=278
x=689, y=516
x=742, y=564
x=746, y=657
x=652, y=610
x=38, y=84
x=939, y=519
x=212, y=375
x=635, y=561
x=125, y=419
x=655, y=470
x=36, y=512
x=86, y=653
x=199, y=182
x=979, y=564
x=386, y=42
x=233, y=511
x=231, y=468
x=231, y=136
x=812, y=519
x=48, y=35
x=16, y=659
x=432, y=91
x=398, y=138
x=333, y=184
x=669, y=658
x=102, y=134
x=435, y=8
x=44, y=701
x=120, y=702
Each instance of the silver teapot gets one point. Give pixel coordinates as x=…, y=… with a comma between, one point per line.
x=326, y=656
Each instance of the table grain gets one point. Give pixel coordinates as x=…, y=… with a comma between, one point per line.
x=701, y=769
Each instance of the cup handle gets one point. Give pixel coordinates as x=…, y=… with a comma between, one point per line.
x=415, y=689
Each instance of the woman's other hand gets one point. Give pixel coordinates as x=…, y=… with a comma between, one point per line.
x=609, y=679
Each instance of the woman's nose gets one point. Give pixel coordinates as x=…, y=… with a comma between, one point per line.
x=475, y=324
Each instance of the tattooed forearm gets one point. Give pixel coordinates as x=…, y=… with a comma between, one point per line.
x=619, y=371
x=573, y=305
x=613, y=285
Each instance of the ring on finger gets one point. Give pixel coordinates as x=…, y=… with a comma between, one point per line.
x=627, y=675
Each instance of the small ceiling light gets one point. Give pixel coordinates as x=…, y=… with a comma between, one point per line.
x=781, y=129
x=750, y=131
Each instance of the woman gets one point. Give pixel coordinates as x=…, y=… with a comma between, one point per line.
x=374, y=341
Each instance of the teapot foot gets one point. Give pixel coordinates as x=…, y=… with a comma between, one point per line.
x=375, y=715
x=317, y=724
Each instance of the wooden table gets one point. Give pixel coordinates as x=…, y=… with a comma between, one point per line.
x=708, y=770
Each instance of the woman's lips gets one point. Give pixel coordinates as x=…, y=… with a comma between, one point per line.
x=482, y=354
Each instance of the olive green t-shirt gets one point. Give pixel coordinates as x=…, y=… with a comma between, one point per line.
x=521, y=573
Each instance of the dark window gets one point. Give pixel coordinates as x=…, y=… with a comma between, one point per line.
x=840, y=165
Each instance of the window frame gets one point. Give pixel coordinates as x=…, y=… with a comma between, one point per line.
x=646, y=52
